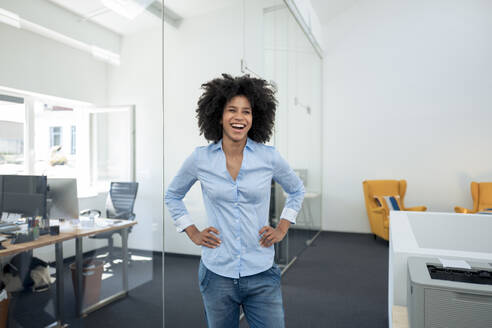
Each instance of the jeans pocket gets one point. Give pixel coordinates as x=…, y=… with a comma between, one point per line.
x=203, y=277
x=275, y=273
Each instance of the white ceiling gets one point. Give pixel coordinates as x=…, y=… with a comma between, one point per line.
x=191, y=8
x=328, y=10
x=108, y=18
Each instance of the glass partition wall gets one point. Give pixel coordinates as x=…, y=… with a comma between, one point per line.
x=81, y=104
x=293, y=64
x=256, y=37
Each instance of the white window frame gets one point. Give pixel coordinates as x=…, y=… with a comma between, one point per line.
x=73, y=140
x=86, y=181
x=52, y=135
x=130, y=109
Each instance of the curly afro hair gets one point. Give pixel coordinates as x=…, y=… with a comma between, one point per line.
x=219, y=91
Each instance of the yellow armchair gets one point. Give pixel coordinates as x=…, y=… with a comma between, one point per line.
x=379, y=215
x=482, y=198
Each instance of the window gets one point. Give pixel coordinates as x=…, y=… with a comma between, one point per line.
x=12, y=120
x=55, y=136
x=113, y=150
x=73, y=140
x=54, y=154
x=67, y=139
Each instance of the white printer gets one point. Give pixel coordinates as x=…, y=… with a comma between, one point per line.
x=449, y=297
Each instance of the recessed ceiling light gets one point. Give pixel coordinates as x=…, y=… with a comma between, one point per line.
x=127, y=8
x=9, y=18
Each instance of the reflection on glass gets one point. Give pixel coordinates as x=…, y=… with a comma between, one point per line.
x=112, y=145
x=66, y=60
x=263, y=40
x=12, y=120
x=292, y=63
x=53, y=140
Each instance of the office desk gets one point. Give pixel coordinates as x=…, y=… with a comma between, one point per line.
x=77, y=233
x=13, y=249
x=46, y=240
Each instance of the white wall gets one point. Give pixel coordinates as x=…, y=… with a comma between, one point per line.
x=49, y=15
x=407, y=96
x=35, y=63
x=138, y=81
x=201, y=49
x=290, y=60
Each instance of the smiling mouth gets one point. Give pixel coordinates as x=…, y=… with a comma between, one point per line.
x=238, y=126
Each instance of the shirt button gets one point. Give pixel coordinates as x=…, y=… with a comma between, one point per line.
x=238, y=238
x=238, y=256
x=235, y=204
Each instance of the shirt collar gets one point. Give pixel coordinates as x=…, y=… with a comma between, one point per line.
x=216, y=145
x=250, y=144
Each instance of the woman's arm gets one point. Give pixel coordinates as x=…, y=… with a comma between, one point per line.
x=291, y=184
x=176, y=191
x=181, y=184
x=294, y=188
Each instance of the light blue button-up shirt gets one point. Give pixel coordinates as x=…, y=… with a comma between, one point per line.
x=237, y=208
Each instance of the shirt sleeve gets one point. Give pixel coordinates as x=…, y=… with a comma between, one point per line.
x=291, y=184
x=180, y=185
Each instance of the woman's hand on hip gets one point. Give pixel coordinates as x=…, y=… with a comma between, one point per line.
x=207, y=237
x=270, y=236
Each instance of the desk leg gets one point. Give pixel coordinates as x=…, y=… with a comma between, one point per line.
x=304, y=215
x=124, y=245
x=59, y=282
x=310, y=215
x=79, y=290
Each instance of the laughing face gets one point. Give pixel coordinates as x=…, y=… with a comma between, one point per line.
x=237, y=119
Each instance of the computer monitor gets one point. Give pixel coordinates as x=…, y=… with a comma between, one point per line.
x=62, y=199
x=23, y=194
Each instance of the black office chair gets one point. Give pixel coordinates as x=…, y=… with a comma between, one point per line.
x=119, y=205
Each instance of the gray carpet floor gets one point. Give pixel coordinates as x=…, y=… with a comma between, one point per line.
x=339, y=281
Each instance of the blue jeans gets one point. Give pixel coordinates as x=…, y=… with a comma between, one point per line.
x=259, y=294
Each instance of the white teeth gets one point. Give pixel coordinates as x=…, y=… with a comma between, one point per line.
x=238, y=125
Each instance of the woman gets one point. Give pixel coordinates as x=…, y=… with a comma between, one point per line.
x=235, y=173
